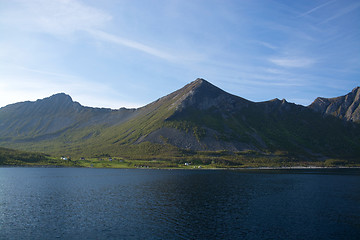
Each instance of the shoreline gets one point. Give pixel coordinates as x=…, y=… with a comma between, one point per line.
x=179, y=168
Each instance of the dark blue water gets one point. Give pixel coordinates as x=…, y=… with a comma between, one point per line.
x=76, y=203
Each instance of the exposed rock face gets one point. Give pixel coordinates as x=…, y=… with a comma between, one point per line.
x=203, y=95
x=345, y=107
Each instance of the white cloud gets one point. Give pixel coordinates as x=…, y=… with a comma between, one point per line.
x=57, y=17
x=316, y=8
x=275, y=71
x=131, y=44
x=267, y=45
x=293, y=62
x=342, y=12
x=44, y=72
x=66, y=17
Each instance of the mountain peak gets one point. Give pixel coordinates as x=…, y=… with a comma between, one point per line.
x=58, y=102
x=200, y=81
x=345, y=107
x=60, y=97
x=201, y=85
x=201, y=94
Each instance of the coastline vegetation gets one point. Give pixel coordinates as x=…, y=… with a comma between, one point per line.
x=182, y=160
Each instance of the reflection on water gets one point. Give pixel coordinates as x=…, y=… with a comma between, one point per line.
x=74, y=203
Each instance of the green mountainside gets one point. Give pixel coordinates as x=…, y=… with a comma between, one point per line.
x=199, y=123
x=17, y=157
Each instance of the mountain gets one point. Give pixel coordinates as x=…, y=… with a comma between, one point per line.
x=49, y=117
x=199, y=118
x=346, y=107
x=16, y=157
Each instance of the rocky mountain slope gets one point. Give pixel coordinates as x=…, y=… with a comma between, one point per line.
x=346, y=107
x=197, y=117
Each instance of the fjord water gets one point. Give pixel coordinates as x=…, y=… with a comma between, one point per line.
x=79, y=203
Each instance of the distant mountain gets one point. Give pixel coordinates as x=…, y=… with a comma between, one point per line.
x=49, y=117
x=199, y=117
x=345, y=107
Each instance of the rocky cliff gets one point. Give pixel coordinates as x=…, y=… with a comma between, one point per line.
x=346, y=107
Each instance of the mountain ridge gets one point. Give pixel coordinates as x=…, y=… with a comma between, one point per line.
x=51, y=115
x=320, y=104
x=197, y=117
x=345, y=107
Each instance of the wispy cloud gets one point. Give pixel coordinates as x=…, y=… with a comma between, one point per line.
x=267, y=45
x=275, y=71
x=316, y=8
x=255, y=44
x=66, y=17
x=292, y=62
x=273, y=83
x=342, y=12
x=56, y=17
x=67, y=76
x=129, y=43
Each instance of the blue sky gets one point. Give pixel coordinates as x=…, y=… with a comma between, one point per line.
x=127, y=53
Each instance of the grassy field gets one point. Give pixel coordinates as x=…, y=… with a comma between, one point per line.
x=171, y=158
x=194, y=162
